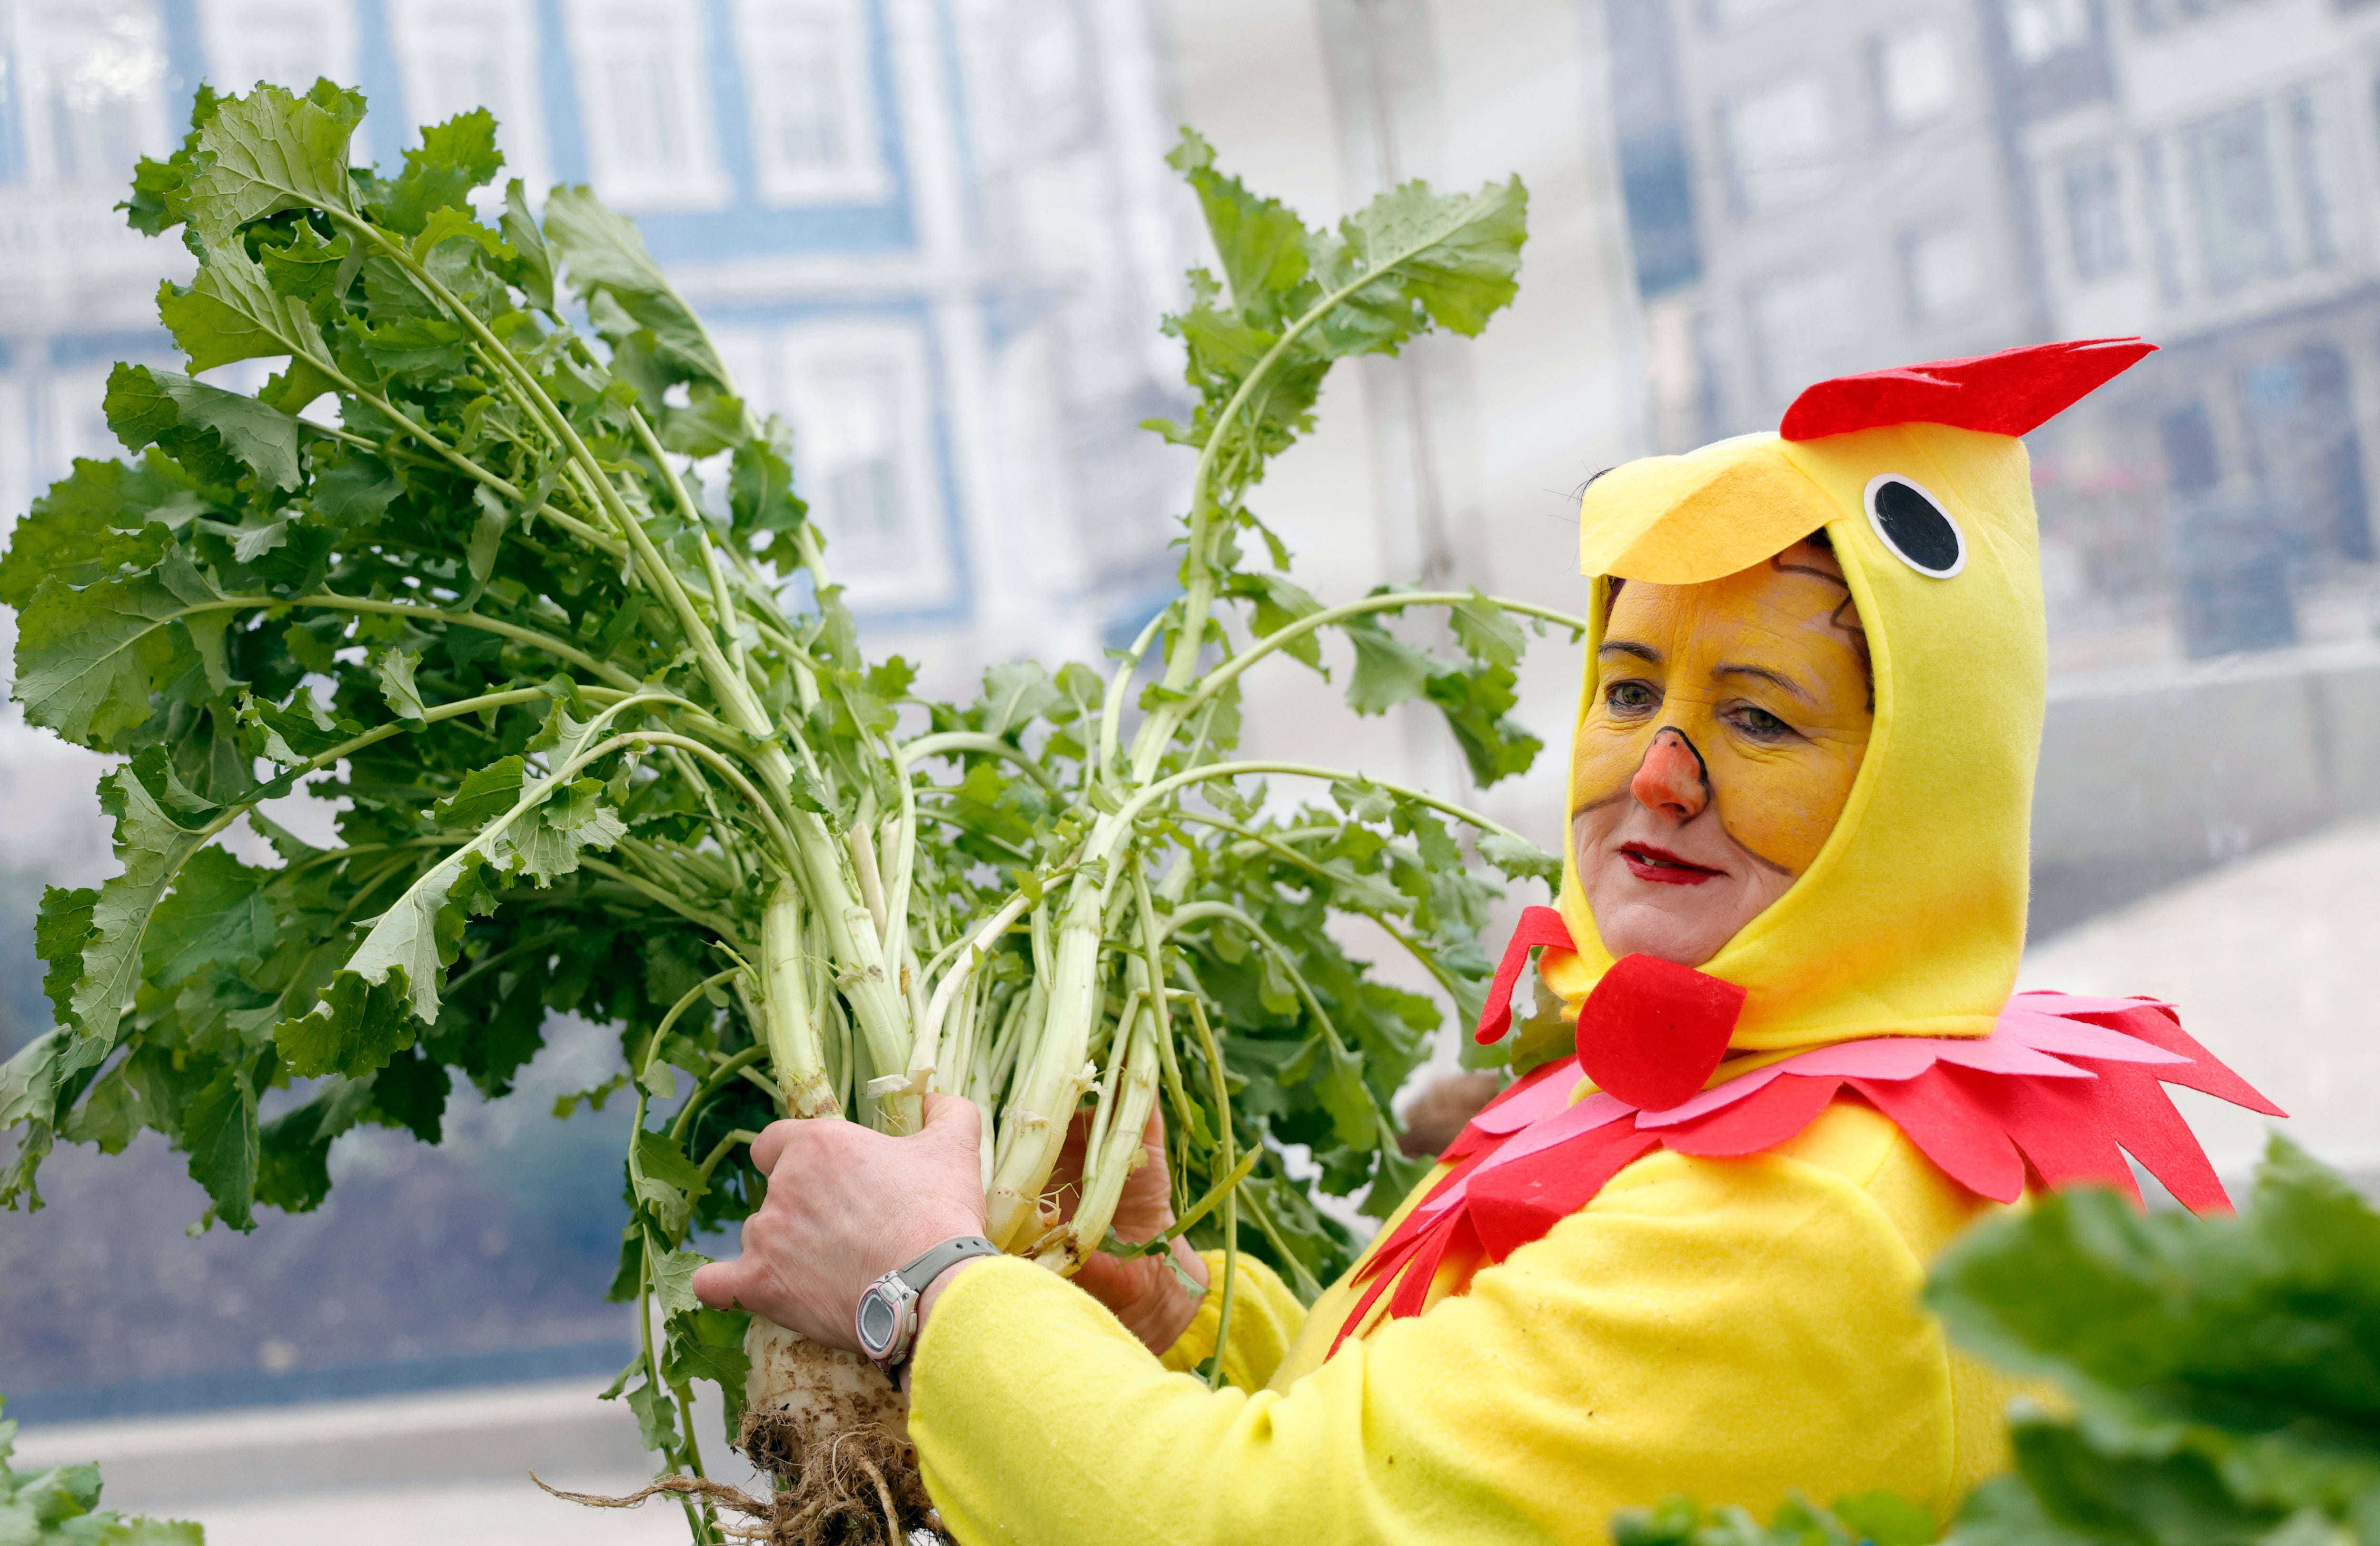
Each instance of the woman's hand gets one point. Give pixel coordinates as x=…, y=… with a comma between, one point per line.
x=846, y=1206
x=1143, y=1291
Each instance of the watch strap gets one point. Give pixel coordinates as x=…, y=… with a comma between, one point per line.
x=920, y=1274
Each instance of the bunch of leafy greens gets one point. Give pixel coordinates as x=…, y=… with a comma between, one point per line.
x=1873, y=1518
x=60, y=1508
x=501, y=558
x=2224, y=1372
x=2222, y=1377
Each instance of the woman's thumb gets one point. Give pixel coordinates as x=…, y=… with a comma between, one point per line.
x=953, y=1118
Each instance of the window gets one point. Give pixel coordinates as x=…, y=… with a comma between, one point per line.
x=1738, y=13
x=75, y=421
x=813, y=103
x=2238, y=196
x=645, y=102
x=2308, y=145
x=1944, y=270
x=1781, y=145
x=2156, y=16
x=2042, y=29
x=291, y=43
x=2092, y=196
x=2188, y=441
x=91, y=78
x=863, y=445
x=1916, y=78
x=459, y=55
x=1799, y=321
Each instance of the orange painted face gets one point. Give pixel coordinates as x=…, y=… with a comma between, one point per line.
x=1729, y=723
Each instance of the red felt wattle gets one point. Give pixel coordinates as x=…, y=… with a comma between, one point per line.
x=2012, y=392
x=1539, y=926
x=1652, y=1032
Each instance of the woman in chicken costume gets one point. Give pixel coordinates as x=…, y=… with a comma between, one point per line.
x=1686, y=1256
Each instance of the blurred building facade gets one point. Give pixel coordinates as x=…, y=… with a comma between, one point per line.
x=1816, y=188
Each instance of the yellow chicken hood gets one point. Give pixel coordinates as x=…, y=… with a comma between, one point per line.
x=1912, y=919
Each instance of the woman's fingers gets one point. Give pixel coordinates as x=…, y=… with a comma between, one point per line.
x=846, y=1206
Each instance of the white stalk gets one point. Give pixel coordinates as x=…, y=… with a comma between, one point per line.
x=796, y=1050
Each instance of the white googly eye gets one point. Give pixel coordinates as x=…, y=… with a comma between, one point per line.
x=1915, y=527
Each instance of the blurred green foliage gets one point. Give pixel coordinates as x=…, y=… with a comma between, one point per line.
x=60, y=1508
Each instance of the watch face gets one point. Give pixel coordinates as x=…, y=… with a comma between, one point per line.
x=877, y=1320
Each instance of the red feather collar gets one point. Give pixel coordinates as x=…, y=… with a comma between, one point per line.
x=2060, y=1089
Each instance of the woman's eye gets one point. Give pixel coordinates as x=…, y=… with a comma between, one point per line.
x=1760, y=723
x=1631, y=697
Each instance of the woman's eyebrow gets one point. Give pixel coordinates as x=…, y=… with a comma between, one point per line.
x=1765, y=674
x=1645, y=652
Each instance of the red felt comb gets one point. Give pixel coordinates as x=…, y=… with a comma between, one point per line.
x=2012, y=392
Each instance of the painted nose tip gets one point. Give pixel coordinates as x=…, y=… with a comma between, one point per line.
x=1671, y=779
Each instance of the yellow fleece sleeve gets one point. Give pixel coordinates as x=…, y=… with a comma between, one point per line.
x=1731, y=1328
x=1265, y=1320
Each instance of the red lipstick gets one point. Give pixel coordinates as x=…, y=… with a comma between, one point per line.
x=1662, y=867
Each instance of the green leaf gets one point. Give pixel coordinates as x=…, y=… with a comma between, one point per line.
x=60, y=932
x=358, y=1026
x=29, y=1083
x=269, y=151
x=293, y=1148
x=454, y=159
x=656, y=1418
x=1280, y=603
x=147, y=408
x=1339, y=1083
x=1261, y=242
x=662, y=1178
x=709, y=1345
x=299, y=731
x=1388, y=670
x=101, y=519
x=760, y=482
x=1474, y=703
x=486, y=793
x=219, y=1131
x=546, y=841
x=1016, y=693
x=158, y=825
x=2180, y=1317
x=394, y=669
x=1486, y=633
x=88, y=661
x=674, y=1281
x=235, y=310
x=532, y=264
x=1458, y=256
x=1888, y=1519
x=161, y=188
x=1520, y=859
x=217, y=914
x=602, y=254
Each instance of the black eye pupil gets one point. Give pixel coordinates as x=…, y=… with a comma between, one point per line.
x=1915, y=529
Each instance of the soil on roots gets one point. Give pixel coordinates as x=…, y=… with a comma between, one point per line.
x=841, y=1484
x=833, y=1435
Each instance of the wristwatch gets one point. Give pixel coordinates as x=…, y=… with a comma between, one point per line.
x=887, y=1320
